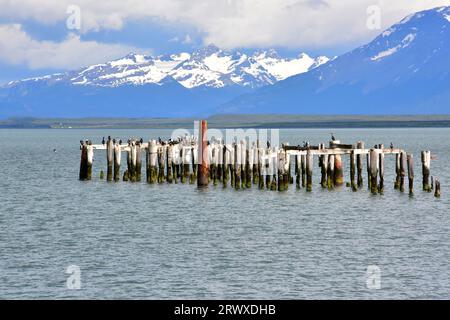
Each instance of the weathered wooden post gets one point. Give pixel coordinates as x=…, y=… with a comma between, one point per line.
x=280, y=169
x=102, y=175
x=117, y=158
x=381, y=169
x=369, y=180
x=237, y=165
x=83, y=162
x=403, y=166
x=249, y=166
x=374, y=160
x=309, y=170
x=437, y=188
x=330, y=171
x=261, y=168
x=298, y=169
x=255, y=163
x=359, y=163
x=397, y=172
x=225, y=165
x=203, y=166
x=353, y=161
x=169, y=163
x=90, y=159
x=338, y=171
x=426, y=164
x=186, y=164
x=138, y=168
x=324, y=170
x=161, y=161
x=303, y=166
x=410, y=173
x=132, y=168
x=286, y=170
x=153, y=160
x=109, y=159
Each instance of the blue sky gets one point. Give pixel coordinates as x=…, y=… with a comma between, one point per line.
x=35, y=38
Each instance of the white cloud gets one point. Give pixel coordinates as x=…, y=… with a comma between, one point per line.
x=17, y=47
x=233, y=23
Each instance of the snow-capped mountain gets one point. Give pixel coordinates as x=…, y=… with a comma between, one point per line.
x=209, y=67
x=406, y=69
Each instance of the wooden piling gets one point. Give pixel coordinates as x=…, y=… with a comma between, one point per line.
x=403, y=168
x=186, y=164
x=359, y=164
x=338, y=171
x=249, y=167
x=138, y=167
x=369, y=180
x=203, y=166
x=381, y=170
x=109, y=159
x=353, y=161
x=237, y=165
x=374, y=161
x=132, y=163
x=437, y=188
x=83, y=162
x=323, y=161
x=281, y=160
x=90, y=160
x=410, y=173
x=309, y=170
x=161, y=162
x=303, y=167
x=330, y=172
x=397, y=172
x=153, y=161
x=169, y=163
x=426, y=163
x=117, y=158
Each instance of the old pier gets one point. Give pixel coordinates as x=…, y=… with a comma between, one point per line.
x=243, y=164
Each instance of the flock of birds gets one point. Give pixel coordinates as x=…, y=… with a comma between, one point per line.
x=170, y=142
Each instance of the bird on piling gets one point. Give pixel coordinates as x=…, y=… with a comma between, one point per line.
x=120, y=141
x=268, y=144
x=103, y=141
x=114, y=141
x=109, y=138
x=333, y=137
x=159, y=140
x=141, y=141
x=392, y=145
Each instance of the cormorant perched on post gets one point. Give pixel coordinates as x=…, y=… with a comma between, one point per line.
x=268, y=144
x=109, y=138
x=120, y=141
x=114, y=141
x=103, y=141
x=141, y=141
x=332, y=137
x=392, y=145
x=159, y=140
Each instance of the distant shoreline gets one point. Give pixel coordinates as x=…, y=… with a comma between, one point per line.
x=236, y=121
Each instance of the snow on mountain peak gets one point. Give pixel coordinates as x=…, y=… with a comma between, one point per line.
x=208, y=66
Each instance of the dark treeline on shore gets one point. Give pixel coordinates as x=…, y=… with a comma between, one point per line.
x=238, y=121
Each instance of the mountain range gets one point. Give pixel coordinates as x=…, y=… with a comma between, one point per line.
x=138, y=85
x=405, y=70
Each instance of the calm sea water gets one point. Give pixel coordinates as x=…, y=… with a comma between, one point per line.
x=175, y=241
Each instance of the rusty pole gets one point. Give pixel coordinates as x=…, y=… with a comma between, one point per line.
x=203, y=167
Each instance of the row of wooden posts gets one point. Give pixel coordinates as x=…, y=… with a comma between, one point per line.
x=242, y=165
